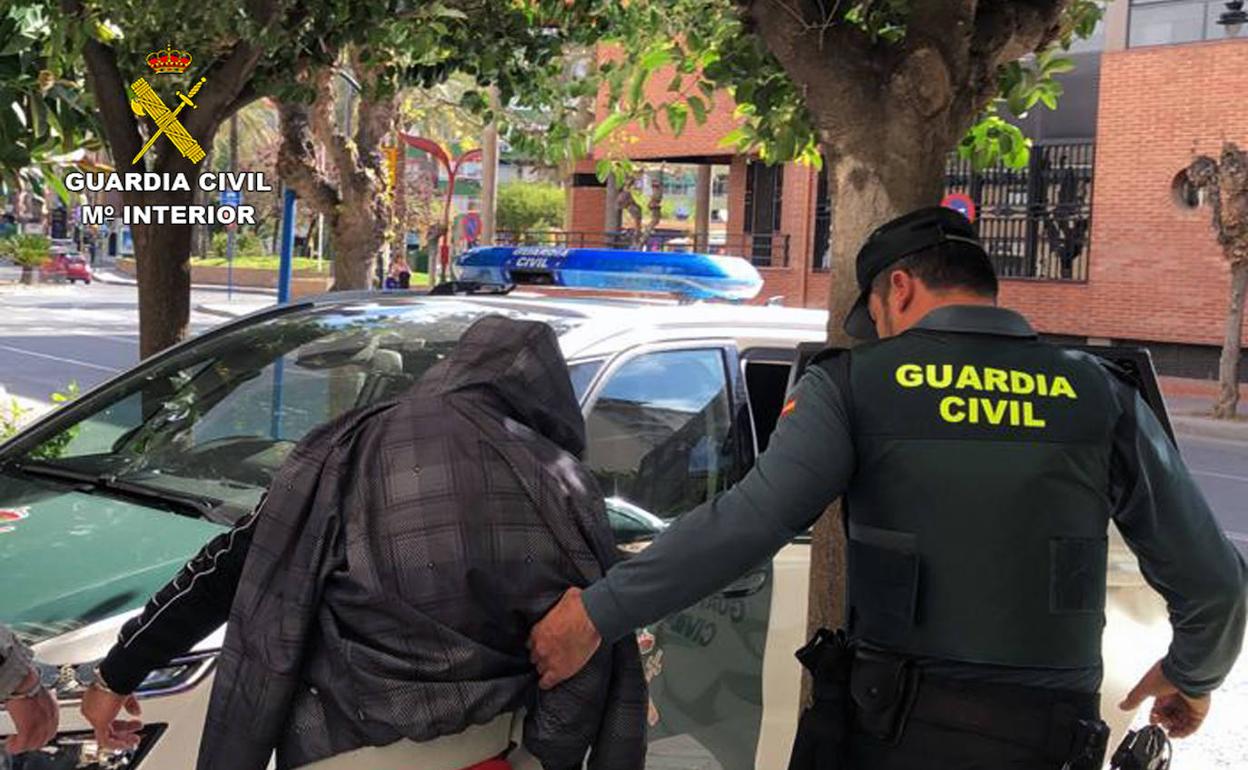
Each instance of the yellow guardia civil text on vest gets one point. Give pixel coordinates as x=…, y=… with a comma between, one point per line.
x=988, y=396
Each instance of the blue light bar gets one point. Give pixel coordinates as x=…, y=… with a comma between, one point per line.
x=691, y=276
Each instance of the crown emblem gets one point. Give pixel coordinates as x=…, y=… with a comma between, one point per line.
x=169, y=60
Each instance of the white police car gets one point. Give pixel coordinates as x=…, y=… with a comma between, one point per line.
x=109, y=496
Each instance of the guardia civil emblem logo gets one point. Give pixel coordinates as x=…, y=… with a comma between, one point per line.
x=145, y=101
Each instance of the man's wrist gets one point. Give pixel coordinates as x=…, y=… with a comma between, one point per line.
x=1180, y=683
x=604, y=612
x=122, y=673
x=100, y=683
x=29, y=687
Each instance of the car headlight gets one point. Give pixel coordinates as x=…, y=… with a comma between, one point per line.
x=70, y=681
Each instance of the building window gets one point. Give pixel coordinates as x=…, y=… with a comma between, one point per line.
x=821, y=256
x=764, y=191
x=1165, y=22
x=1035, y=222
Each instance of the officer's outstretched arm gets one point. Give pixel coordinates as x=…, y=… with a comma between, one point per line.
x=1182, y=551
x=807, y=465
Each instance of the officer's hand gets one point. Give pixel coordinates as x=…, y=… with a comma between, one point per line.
x=563, y=642
x=35, y=718
x=1179, y=715
x=101, y=708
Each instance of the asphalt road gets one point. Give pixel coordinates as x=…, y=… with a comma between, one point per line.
x=50, y=336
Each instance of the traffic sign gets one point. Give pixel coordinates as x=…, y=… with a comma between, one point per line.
x=472, y=225
x=231, y=197
x=961, y=203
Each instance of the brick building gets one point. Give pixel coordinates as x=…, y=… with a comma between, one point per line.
x=1092, y=240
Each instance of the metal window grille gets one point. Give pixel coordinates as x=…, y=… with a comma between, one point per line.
x=1036, y=221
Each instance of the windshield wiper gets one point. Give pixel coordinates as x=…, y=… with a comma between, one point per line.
x=59, y=472
x=198, y=504
x=201, y=504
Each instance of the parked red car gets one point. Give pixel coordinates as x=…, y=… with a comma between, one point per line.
x=66, y=267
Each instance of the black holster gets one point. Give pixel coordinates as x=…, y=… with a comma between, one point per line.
x=883, y=687
x=823, y=730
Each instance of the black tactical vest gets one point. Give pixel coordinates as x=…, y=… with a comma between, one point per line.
x=979, y=506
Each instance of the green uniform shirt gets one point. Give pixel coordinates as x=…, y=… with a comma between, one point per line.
x=809, y=462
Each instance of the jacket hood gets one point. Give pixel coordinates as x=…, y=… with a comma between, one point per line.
x=521, y=363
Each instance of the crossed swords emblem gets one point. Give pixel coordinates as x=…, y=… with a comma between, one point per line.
x=147, y=102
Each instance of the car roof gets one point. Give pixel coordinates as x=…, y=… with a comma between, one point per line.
x=596, y=326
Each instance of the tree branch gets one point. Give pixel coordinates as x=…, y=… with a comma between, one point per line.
x=296, y=160
x=833, y=66
x=376, y=115
x=321, y=120
x=1006, y=31
x=244, y=98
x=227, y=79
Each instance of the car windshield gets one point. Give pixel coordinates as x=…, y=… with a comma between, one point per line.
x=212, y=423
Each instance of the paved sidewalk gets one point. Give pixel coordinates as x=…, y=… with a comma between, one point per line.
x=235, y=308
x=108, y=275
x=1189, y=403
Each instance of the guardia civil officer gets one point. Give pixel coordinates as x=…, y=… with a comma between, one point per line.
x=980, y=468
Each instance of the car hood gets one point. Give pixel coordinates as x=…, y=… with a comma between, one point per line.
x=70, y=558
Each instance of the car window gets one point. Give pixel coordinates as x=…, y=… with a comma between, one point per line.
x=217, y=418
x=661, y=432
x=582, y=374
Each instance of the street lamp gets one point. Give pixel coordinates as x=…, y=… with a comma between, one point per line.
x=1234, y=17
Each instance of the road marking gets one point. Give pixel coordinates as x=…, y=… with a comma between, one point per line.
x=1238, y=537
x=73, y=361
x=1229, y=476
x=127, y=340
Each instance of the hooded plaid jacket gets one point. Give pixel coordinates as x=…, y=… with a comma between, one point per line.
x=385, y=587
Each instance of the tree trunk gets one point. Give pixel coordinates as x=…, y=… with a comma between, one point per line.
x=162, y=259
x=28, y=275
x=867, y=193
x=489, y=175
x=887, y=116
x=357, y=204
x=358, y=239
x=1232, y=345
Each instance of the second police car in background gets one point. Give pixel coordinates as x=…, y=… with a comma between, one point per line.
x=112, y=494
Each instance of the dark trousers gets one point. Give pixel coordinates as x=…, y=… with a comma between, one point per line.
x=929, y=747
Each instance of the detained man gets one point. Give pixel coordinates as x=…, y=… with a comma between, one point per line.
x=380, y=597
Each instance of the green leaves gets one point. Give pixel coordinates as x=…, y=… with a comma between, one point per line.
x=993, y=140
x=45, y=112
x=677, y=116
x=1023, y=84
x=524, y=206
x=607, y=126
x=656, y=57
x=26, y=249
x=699, y=109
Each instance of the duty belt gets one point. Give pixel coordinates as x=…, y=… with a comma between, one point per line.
x=878, y=693
x=889, y=691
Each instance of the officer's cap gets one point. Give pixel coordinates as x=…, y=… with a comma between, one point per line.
x=901, y=237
